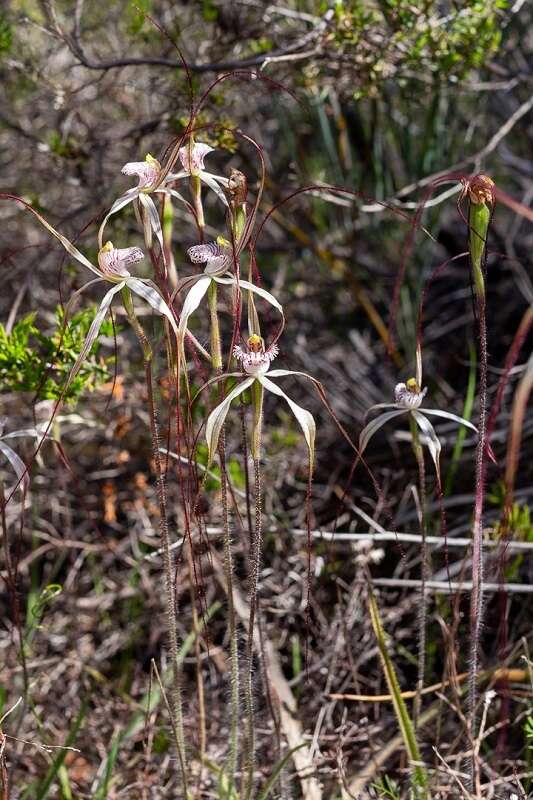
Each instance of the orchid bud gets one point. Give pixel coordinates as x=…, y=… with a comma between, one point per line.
x=238, y=192
x=237, y=187
x=481, y=195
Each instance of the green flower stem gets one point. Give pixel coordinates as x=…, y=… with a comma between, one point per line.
x=216, y=345
x=168, y=558
x=196, y=187
x=478, y=219
x=216, y=360
x=478, y=222
x=167, y=227
x=422, y=609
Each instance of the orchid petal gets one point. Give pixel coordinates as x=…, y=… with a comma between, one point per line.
x=121, y=202
x=304, y=418
x=384, y=405
x=175, y=176
x=191, y=303
x=172, y=193
x=147, y=171
x=218, y=416
x=211, y=182
x=114, y=260
x=373, y=427
x=433, y=441
x=22, y=432
x=93, y=331
x=69, y=247
x=218, y=178
x=153, y=217
x=153, y=298
x=17, y=463
x=251, y=287
x=280, y=373
x=436, y=412
x=192, y=156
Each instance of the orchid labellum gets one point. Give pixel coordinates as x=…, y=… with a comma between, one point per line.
x=256, y=363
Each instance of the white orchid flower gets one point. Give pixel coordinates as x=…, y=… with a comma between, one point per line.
x=148, y=172
x=217, y=257
x=191, y=157
x=408, y=400
x=112, y=268
x=256, y=363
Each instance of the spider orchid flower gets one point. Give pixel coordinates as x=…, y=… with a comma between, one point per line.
x=148, y=172
x=218, y=258
x=112, y=268
x=256, y=363
x=408, y=400
x=192, y=157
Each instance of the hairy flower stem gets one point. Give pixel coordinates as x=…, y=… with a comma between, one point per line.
x=479, y=218
x=168, y=559
x=422, y=609
x=216, y=359
x=255, y=561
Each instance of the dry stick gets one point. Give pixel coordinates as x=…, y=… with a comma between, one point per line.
x=168, y=559
x=216, y=357
x=422, y=609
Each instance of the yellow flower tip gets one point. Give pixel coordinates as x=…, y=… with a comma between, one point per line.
x=481, y=189
x=255, y=343
x=223, y=242
x=413, y=386
x=152, y=161
x=108, y=246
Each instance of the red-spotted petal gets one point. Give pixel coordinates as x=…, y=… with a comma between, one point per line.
x=114, y=260
x=192, y=156
x=146, y=171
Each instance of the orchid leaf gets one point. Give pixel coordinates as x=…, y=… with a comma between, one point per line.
x=304, y=418
x=217, y=417
x=373, y=427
